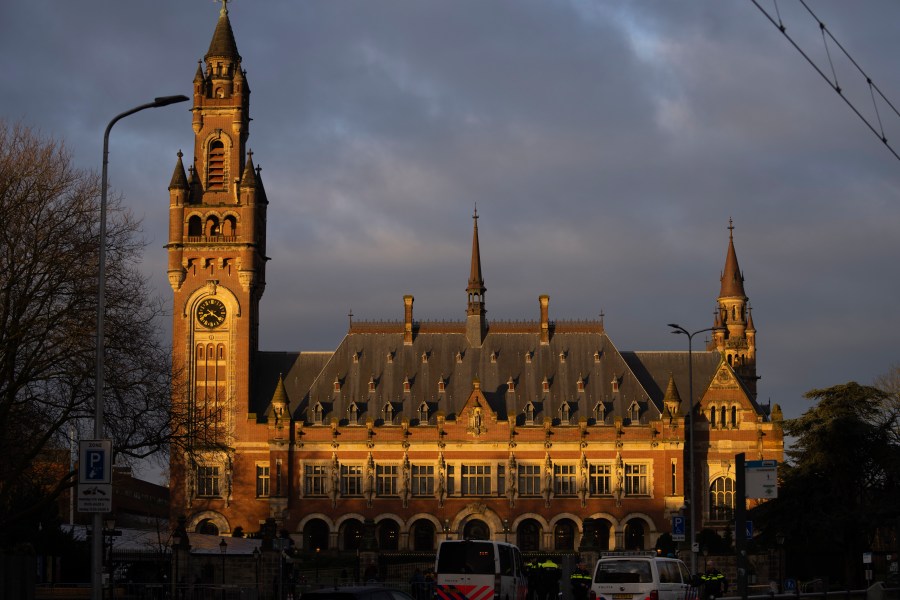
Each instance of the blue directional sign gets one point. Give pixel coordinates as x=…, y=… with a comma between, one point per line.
x=679, y=526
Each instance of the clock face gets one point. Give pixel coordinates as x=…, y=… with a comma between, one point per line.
x=211, y=313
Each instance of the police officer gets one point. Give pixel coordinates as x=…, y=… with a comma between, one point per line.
x=580, y=582
x=713, y=584
x=549, y=576
x=531, y=572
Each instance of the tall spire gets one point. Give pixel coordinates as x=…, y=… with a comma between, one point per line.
x=732, y=278
x=475, y=321
x=223, y=44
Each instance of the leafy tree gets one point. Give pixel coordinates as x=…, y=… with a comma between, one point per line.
x=841, y=482
x=49, y=232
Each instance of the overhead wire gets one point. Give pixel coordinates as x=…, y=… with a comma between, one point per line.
x=833, y=81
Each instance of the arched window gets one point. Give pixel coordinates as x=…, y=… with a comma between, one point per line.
x=216, y=177
x=564, y=535
x=734, y=416
x=388, y=535
x=721, y=499
x=315, y=535
x=423, y=412
x=423, y=535
x=351, y=534
x=712, y=416
x=195, y=226
x=634, y=535
x=388, y=413
x=723, y=421
x=634, y=413
x=564, y=413
x=212, y=227
x=229, y=226
x=600, y=412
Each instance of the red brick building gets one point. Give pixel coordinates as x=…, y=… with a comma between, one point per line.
x=423, y=430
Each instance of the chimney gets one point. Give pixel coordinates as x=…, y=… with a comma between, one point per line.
x=545, y=318
x=407, y=320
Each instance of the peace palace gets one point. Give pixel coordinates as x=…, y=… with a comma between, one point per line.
x=411, y=432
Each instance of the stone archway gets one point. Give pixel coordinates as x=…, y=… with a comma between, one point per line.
x=476, y=529
x=528, y=535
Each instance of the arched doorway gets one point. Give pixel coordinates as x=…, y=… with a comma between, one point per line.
x=351, y=534
x=206, y=526
x=388, y=535
x=601, y=534
x=315, y=535
x=564, y=535
x=528, y=535
x=476, y=529
x=423, y=535
x=634, y=535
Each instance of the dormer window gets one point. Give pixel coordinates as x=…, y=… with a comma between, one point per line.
x=615, y=385
x=337, y=385
x=423, y=412
x=562, y=357
x=528, y=357
x=580, y=385
x=388, y=413
x=634, y=413
x=564, y=413
x=356, y=357
x=353, y=413
x=529, y=413
x=318, y=412
x=596, y=357
x=424, y=358
x=441, y=385
x=545, y=386
x=372, y=385
x=459, y=357
x=511, y=386
x=493, y=357
x=600, y=412
x=390, y=357
x=406, y=385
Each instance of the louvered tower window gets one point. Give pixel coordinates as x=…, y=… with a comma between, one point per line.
x=216, y=177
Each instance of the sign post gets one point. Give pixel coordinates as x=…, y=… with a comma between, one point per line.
x=95, y=476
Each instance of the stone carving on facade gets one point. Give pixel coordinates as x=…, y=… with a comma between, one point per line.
x=512, y=476
x=583, y=485
x=369, y=481
x=619, y=485
x=547, y=487
x=334, y=489
x=405, y=480
x=440, y=491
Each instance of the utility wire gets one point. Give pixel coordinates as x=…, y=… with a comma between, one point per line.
x=874, y=91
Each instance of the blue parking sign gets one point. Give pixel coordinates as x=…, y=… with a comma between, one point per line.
x=679, y=525
x=95, y=458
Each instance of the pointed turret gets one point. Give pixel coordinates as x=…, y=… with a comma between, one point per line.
x=672, y=399
x=179, y=177
x=223, y=44
x=475, y=311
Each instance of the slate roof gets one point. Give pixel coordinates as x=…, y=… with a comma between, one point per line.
x=374, y=352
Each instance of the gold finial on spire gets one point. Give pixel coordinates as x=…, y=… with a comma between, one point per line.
x=224, y=10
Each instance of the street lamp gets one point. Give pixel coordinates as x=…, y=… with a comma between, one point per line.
x=779, y=539
x=223, y=547
x=97, y=566
x=678, y=329
x=318, y=550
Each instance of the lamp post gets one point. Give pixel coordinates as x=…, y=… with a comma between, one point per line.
x=97, y=566
x=223, y=547
x=109, y=528
x=256, y=556
x=318, y=550
x=779, y=539
x=176, y=544
x=678, y=329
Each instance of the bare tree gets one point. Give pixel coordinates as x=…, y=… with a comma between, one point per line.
x=49, y=231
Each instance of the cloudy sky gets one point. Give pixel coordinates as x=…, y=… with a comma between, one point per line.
x=606, y=144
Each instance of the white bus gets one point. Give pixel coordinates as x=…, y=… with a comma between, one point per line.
x=479, y=570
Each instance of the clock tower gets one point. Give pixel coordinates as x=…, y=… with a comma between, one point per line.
x=216, y=267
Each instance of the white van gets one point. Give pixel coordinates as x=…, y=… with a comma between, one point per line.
x=639, y=576
x=479, y=570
